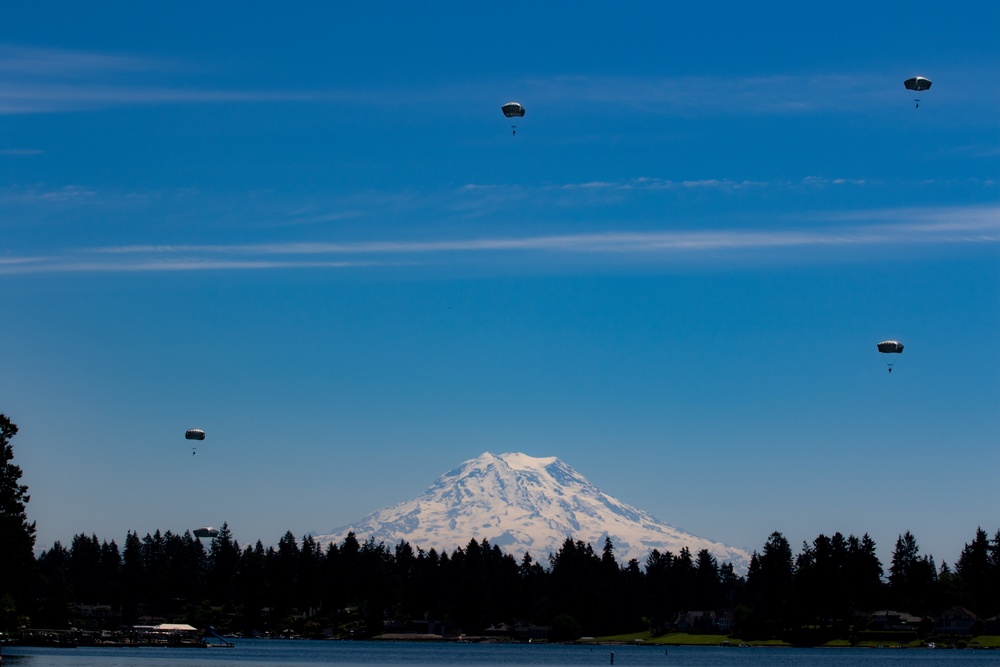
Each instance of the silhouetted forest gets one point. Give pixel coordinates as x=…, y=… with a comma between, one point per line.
x=359, y=589
x=830, y=589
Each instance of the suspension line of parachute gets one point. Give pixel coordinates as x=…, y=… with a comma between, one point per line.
x=890, y=347
x=513, y=110
x=195, y=434
x=917, y=84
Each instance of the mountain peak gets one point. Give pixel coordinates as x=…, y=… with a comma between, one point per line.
x=519, y=461
x=522, y=504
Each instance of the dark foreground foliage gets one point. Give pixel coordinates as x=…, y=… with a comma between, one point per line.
x=834, y=588
x=829, y=590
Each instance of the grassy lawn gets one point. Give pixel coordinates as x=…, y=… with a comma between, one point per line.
x=887, y=644
x=629, y=638
x=680, y=639
x=985, y=641
x=686, y=639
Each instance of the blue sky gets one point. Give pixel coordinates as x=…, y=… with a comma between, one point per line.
x=310, y=231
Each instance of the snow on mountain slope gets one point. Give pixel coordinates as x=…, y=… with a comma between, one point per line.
x=526, y=504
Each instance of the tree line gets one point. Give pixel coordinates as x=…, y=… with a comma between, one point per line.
x=359, y=588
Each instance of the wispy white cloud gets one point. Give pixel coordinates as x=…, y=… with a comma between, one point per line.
x=713, y=94
x=47, y=80
x=55, y=80
x=58, y=97
x=172, y=265
x=652, y=183
x=655, y=183
x=36, y=62
x=897, y=227
x=20, y=151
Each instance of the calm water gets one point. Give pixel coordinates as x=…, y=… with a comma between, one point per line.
x=289, y=653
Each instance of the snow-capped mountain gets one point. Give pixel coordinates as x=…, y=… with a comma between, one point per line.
x=526, y=504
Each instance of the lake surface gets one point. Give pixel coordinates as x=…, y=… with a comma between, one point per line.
x=290, y=653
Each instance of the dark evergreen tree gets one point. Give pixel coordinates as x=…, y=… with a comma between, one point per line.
x=660, y=606
x=405, y=606
x=533, y=601
x=769, y=588
x=187, y=563
x=425, y=600
x=609, y=565
x=308, y=596
x=84, y=570
x=707, y=586
x=473, y=590
x=730, y=585
x=503, y=572
x=17, y=534
x=284, y=574
x=254, y=588
x=55, y=599
x=610, y=613
x=976, y=573
x=629, y=599
x=223, y=568
x=374, y=571
x=950, y=588
x=484, y=585
x=110, y=575
x=865, y=590
x=346, y=575
x=912, y=577
x=821, y=573
x=330, y=585
x=133, y=579
x=156, y=567
x=682, y=581
x=993, y=597
x=574, y=583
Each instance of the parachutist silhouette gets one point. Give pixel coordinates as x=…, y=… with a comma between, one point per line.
x=890, y=347
x=194, y=434
x=513, y=110
x=919, y=84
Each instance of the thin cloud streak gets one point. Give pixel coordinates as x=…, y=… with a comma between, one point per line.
x=57, y=265
x=955, y=226
x=728, y=94
x=39, y=62
x=44, y=98
x=52, y=80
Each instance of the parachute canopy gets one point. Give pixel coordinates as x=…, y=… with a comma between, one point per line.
x=917, y=83
x=512, y=110
x=194, y=434
x=206, y=531
x=890, y=347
